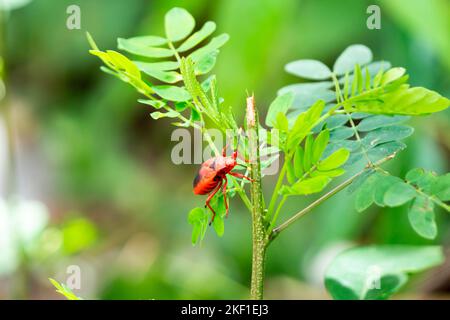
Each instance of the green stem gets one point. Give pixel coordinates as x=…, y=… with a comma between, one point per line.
x=273, y=199
x=259, y=236
x=175, y=52
x=277, y=212
x=323, y=198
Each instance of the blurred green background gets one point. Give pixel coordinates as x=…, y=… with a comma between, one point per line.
x=91, y=174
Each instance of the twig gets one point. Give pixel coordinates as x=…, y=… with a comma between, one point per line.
x=326, y=196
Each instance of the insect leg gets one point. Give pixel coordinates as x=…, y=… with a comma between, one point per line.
x=224, y=191
x=224, y=150
x=211, y=195
x=241, y=176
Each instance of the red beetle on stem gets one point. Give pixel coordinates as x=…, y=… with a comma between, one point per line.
x=212, y=176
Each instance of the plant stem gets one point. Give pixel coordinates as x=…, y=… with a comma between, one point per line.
x=323, y=198
x=273, y=200
x=259, y=236
x=314, y=204
x=277, y=212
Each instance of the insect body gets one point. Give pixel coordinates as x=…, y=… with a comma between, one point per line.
x=212, y=176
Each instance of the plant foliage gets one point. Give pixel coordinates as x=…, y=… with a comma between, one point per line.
x=340, y=119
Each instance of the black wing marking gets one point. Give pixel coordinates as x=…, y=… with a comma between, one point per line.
x=196, y=180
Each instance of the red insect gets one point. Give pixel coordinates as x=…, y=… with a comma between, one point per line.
x=212, y=176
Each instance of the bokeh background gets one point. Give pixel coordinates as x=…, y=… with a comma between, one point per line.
x=86, y=177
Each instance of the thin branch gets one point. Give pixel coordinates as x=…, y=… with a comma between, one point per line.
x=326, y=196
x=277, y=212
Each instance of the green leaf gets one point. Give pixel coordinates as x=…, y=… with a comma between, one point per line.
x=219, y=226
x=441, y=187
x=122, y=63
x=298, y=162
x=402, y=101
x=307, y=157
x=386, y=134
x=421, y=217
x=426, y=182
x=218, y=204
x=391, y=75
x=207, y=29
x=335, y=160
x=367, y=79
x=142, y=41
x=399, y=194
x=346, y=85
x=123, y=68
x=157, y=104
x=181, y=106
x=356, y=54
x=309, y=186
x=160, y=66
x=330, y=173
x=378, y=121
x=376, y=272
x=304, y=124
x=309, y=69
x=320, y=144
x=358, y=82
x=170, y=114
x=178, y=24
x=291, y=177
x=136, y=47
x=415, y=175
x=198, y=218
x=341, y=133
x=377, y=78
x=365, y=194
x=306, y=89
x=383, y=150
x=358, y=182
x=212, y=46
x=382, y=186
x=164, y=76
x=281, y=122
x=172, y=93
x=282, y=103
x=195, y=115
x=336, y=121
x=206, y=63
